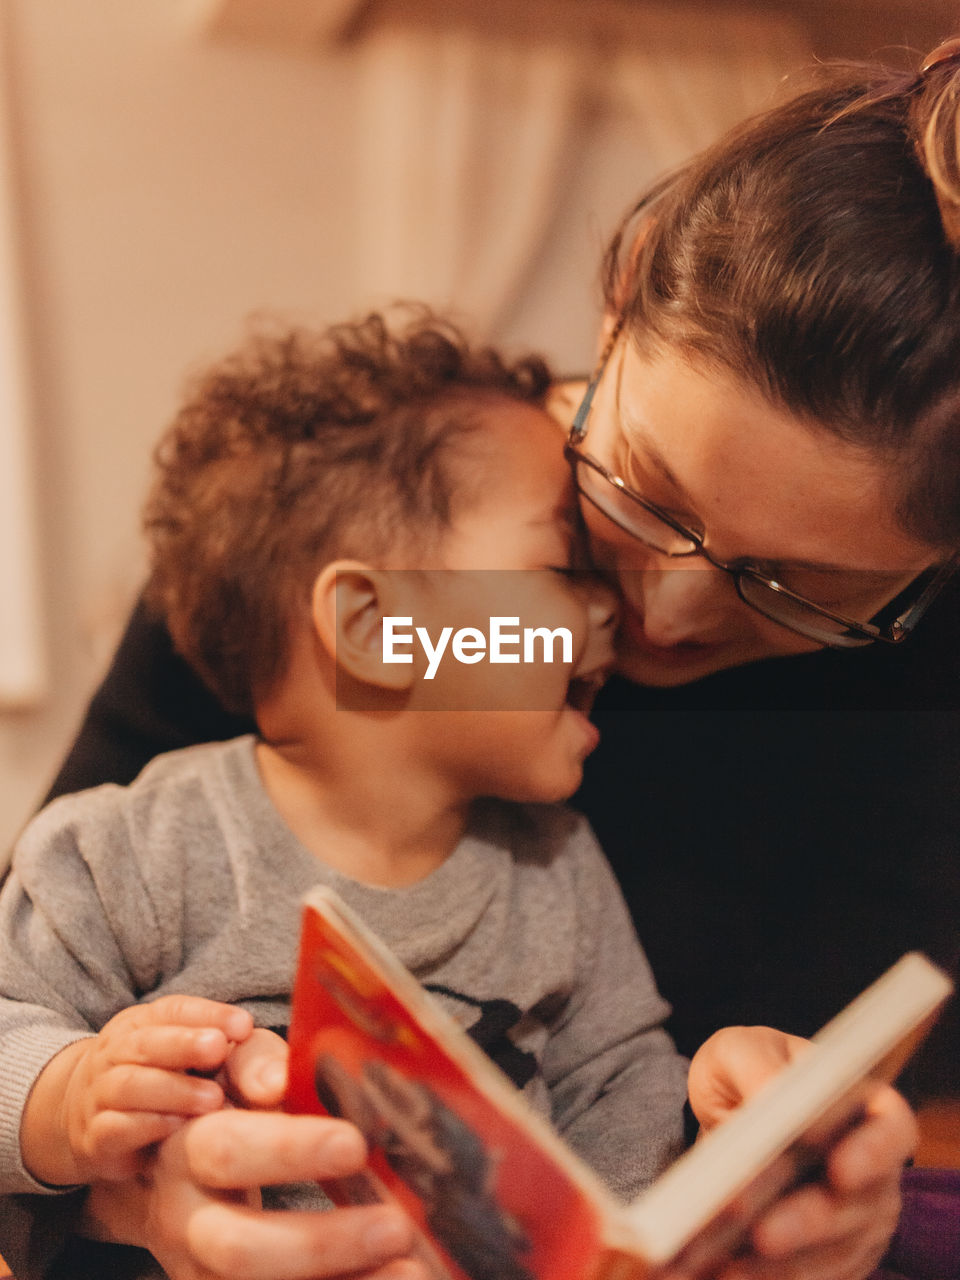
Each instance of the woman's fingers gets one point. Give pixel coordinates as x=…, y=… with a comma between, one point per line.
x=251, y=1149
x=875, y=1150
x=840, y=1226
x=837, y=1227
x=850, y=1260
x=238, y=1242
x=128, y=1088
x=116, y=1142
x=814, y=1216
x=203, y=1218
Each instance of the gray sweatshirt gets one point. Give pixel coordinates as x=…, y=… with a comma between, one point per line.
x=189, y=881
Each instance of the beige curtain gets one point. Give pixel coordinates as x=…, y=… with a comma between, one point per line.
x=22, y=661
x=470, y=132
x=687, y=75
x=463, y=140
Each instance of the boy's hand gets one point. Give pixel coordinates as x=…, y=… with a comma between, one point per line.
x=102, y=1100
x=839, y=1227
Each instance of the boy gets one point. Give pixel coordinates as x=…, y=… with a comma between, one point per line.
x=315, y=497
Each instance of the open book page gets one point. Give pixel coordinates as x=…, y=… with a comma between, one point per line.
x=700, y=1208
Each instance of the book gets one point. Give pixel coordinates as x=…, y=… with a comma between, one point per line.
x=495, y=1193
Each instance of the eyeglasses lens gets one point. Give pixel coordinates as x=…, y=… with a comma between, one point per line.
x=633, y=517
x=796, y=615
x=628, y=513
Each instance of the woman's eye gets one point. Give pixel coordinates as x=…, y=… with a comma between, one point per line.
x=640, y=482
x=565, y=570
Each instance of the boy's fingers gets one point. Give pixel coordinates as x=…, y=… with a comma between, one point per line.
x=194, y=1011
x=174, y=1048
x=135, y=1088
x=236, y=1242
x=235, y=1149
x=117, y=1139
x=733, y=1065
x=255, y=1074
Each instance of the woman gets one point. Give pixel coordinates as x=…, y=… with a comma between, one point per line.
x=769, y=460
x=781, y=392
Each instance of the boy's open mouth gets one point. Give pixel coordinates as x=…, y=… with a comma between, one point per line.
x=582, y=690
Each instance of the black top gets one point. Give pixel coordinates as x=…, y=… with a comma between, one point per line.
x=782, y=831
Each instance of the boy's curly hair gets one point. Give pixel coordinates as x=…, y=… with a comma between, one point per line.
x=299, y=448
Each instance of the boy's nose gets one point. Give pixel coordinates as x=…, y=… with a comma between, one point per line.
x=603, y=606
x=603, y=613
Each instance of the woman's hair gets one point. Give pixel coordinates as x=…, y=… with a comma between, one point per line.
x=300, y=448
x=815, y=251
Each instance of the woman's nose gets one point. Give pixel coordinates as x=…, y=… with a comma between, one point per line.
x=682, y=604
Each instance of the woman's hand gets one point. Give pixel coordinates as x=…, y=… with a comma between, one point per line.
x=198, y=1207
x=839, y=1227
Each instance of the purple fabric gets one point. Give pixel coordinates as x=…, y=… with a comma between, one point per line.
x=927, y=1242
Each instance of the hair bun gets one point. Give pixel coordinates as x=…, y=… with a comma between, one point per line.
x=939, y=131
x=942, y=53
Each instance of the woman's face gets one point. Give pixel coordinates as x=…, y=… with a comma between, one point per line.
x=764, y=487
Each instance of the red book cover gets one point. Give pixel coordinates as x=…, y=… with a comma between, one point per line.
x=487, y=1181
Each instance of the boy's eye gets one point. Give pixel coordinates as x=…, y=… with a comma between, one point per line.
x=565, y=570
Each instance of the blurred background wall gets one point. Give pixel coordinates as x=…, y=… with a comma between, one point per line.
x=176, y=165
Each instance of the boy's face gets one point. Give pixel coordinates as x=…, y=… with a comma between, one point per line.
x=516, y=729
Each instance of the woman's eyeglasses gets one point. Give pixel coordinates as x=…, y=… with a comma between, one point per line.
x=664, y=534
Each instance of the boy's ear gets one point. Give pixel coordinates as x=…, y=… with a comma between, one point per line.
x=350, y=600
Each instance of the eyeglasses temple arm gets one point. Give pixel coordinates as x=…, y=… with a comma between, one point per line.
x=578, y=428
x=907, y=621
